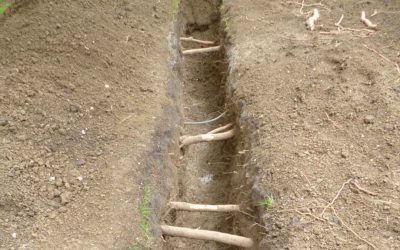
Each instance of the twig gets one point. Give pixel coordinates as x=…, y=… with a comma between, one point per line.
x=188, y=140
x=191, y=39
x=334, y=199
x=312, y=19
x=301, y=7
x=352, y=231
x=384, y=57
x=374, y=14
x=207, y=235
x=206, y=121
x=338, y=23
x=220, y=129
x=203, y=208
x=363, y=190
x=310, y=214
x=202, y=50
x=366, y=21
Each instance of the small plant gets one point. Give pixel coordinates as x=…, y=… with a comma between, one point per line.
x=146, y=213
x=175, y=7
x=4, y=6
x=268, y=202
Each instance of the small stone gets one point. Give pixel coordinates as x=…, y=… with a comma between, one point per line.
x=3, y=121
x=14, y=235
x=59, y=182
x=80, y=162
x=344, y=153
x=65, y=198
x=369, y=119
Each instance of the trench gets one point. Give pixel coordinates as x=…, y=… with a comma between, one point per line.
x=209, y=173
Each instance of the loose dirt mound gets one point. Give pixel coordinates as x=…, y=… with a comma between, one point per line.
x=321, y=113
x=82, y=85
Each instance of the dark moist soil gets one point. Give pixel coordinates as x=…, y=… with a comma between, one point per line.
x=319, y=110
x=82, y=89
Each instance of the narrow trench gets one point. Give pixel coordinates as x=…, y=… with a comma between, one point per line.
x=207, y=172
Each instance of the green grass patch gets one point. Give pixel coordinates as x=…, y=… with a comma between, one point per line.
x=4, y=6
x=175, y=7
x=268, y=202
x=146, y=214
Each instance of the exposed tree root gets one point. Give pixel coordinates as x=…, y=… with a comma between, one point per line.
x=188, y=140
x=203, y=208
x=367, y=22
x=191, y=39
x=207, y=235
x=220, y=129
x=313, y=19
x=206, y=121
x=202, y=50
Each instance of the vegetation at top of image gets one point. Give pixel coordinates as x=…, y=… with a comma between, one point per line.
x=268, y=202
x=146, y=213
x=4, y=6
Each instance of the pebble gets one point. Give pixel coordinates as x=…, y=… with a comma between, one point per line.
x=65, y=198
x=14, y=235
x=3, y=121
x=369, y=119
x=80, y=162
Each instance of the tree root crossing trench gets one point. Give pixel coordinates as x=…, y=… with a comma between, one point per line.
x=204, y=213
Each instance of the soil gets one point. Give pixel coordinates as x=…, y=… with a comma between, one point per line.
x=320, y=112
x=93, y=95
x=83, y=88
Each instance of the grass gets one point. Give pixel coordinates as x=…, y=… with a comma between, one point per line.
x=175, y=7
x=4, y=6
x=146, y=213
x=268, y=202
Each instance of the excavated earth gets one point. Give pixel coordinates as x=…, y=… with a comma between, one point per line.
x=94, y=96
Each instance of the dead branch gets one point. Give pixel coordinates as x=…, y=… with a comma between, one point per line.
x=367, y=22
x=312, y=19
x=363, y=189
x=352, y=231
x=202, y=50
x=220, y=129
x=203, y=208
x=207, y=235
x=188, y=140
x=191, y=39
x=336, y=196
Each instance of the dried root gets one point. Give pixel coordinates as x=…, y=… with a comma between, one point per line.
x=214, y=135
x=313, y=19
x=191, y=39
x=185, y=232
x=202, y=50
x=203, y=208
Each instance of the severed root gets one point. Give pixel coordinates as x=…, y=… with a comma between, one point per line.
x=230, y=239
x=220, y=129
x=191, y=39
x=313, y=19
x=203, y=208
x=202, y=50
x=188, y=140
x=367, y=22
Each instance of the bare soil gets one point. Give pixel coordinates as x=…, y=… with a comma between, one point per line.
x=83, y=86
x=321, y=112
x=93, y=95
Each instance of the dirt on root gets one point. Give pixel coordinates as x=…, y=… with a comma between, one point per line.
x=82, y=88
x=321, y=111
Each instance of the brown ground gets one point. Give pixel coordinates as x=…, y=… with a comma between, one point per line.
x=82, y=84
x=320, y=110
x=89, y=108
